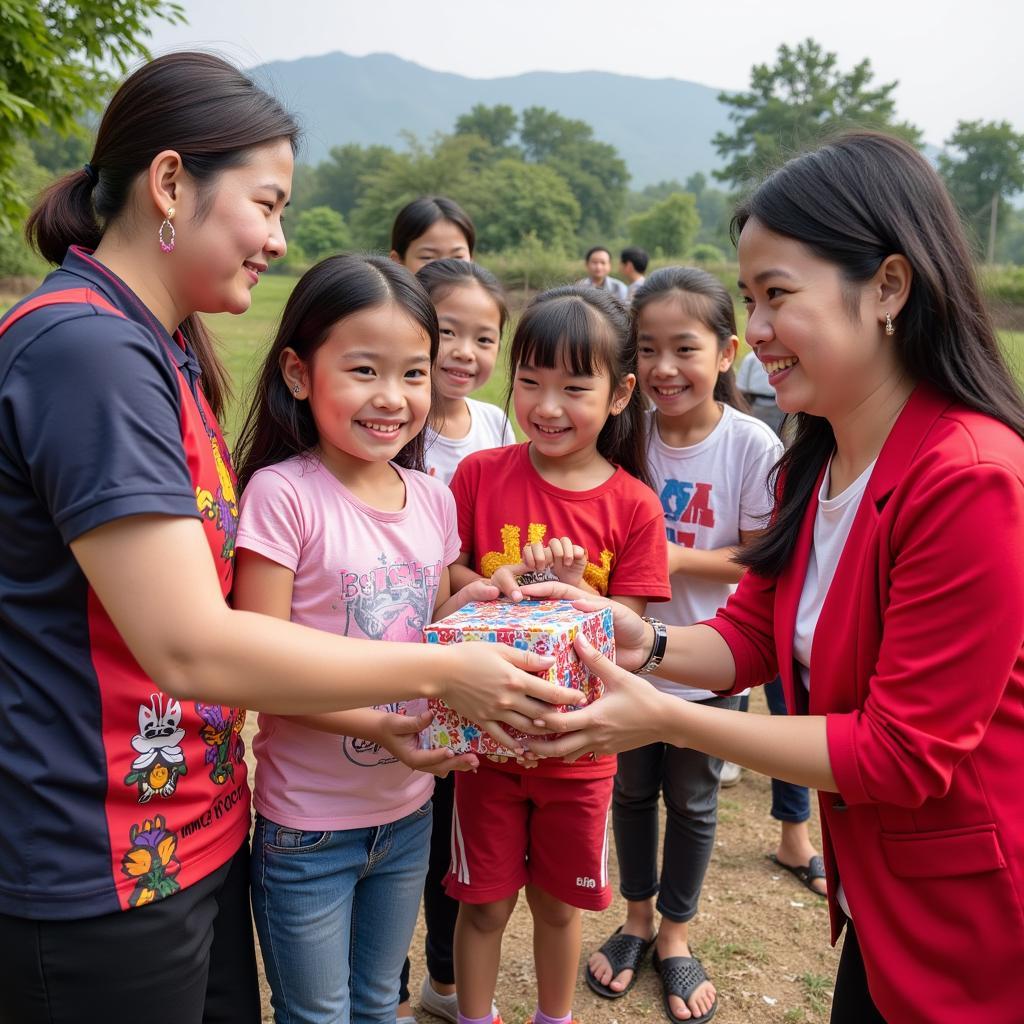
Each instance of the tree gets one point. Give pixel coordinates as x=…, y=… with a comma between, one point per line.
x=670, y=225
x=594, y=170
x=987, y=172
x=60, y=59
x=794, y=103
x=495, y=124
x=321, y=232
x=447, y=168
x=512, y=199
x=343, y=177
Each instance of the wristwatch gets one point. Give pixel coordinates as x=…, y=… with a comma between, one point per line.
x=660, y=645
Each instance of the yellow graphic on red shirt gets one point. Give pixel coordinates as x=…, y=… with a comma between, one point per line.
x=512, y=554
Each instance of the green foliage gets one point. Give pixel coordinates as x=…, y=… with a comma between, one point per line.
x=16, y=256
x=496, y=125
x=341, y=180
x=987, y=170
x=59, y=60
x=1003, y=284
x=794, y=103
x=448, y=168
x=511, y=199
x=594, y=170
x=703, y=252
x=321, y=231
x=531, y=265
x=669, y=226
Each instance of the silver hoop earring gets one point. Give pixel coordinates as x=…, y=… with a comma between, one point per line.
x=889, y=329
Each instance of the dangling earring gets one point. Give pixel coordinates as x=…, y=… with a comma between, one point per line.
x=889, y=329
x=167, y=229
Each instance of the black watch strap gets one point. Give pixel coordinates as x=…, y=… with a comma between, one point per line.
x=659, y=648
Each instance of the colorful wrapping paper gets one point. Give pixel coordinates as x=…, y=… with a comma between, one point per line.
x=547, y=627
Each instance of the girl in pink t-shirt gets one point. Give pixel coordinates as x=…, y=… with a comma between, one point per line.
x=339, y=531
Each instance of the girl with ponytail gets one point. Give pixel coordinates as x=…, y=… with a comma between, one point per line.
x=123, y=670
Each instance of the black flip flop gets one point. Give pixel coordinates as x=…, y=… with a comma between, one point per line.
x=623, y=953
x=681, y=976
x=806, y=873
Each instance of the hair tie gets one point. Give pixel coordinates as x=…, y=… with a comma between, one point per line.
x=91, y=173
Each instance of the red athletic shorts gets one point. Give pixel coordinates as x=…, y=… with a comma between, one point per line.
x=513, y=829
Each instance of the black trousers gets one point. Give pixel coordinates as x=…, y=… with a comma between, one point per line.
x=439, y=909
x=852, y=1002
x=187, y=959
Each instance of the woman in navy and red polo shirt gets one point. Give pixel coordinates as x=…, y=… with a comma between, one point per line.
x=123, y=850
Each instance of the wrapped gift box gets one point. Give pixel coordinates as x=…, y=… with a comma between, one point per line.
x=547, y=627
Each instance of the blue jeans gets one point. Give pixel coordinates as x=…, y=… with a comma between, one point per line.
x=335, y=913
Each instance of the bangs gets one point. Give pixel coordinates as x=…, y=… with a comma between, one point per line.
x=564, y=334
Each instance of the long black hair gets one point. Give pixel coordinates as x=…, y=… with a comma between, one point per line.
x=416, y=218
x=278, y=425
x=854, y=202
x=708, y=300
x=195, y=103
x=586, y=331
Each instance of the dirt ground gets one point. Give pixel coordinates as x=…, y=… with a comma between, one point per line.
x=762, y=937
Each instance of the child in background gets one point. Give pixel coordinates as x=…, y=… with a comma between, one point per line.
x=431, y=228
x=580, y=475
x=710, y=462
x=471, y=314
x=339, y=532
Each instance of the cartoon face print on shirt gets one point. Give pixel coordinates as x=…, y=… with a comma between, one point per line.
x=391, y=602
x=158, y=744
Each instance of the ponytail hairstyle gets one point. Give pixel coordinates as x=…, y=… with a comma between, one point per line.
x=197, y=104
x=417, y=217
x=584, y=331
x=853, y=202
x=706, y=299
x=278, y=425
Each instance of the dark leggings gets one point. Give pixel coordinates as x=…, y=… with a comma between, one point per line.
x=439, y=909
x=186, y=959
x=852, y=1002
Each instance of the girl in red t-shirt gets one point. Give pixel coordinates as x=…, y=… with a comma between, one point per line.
x=575, y=496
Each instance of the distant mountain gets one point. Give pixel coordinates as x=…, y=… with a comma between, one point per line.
x=662, y=127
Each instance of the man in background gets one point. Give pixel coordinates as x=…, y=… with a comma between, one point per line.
x=633, y=265
x=599, y=268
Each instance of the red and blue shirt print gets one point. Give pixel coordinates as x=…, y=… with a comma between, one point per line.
x=114, y=794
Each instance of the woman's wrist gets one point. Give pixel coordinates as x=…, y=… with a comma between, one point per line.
x=658, y=644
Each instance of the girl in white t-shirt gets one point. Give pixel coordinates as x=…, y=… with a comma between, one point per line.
x=338, y=531
x=710, y=463
x=471, y=312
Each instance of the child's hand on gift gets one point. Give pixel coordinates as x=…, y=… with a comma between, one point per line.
x=478, y=590
x=399, y=735
x=560, y=557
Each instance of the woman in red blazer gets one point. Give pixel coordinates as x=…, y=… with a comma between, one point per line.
x=888, y=590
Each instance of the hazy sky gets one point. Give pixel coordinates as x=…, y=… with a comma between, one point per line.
x=953, y=60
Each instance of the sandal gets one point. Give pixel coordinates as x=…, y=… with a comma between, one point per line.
x=681, y=976
x=807, y=873
x=623, y=953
